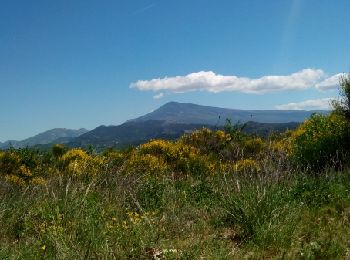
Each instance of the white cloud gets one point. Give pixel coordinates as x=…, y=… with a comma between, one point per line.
x=159, y=96
x=211, y=82
x=311, y=104
x=329, y=83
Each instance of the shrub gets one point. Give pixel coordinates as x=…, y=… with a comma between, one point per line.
x=207, y=141
x=78, y=162
x=321, y=141
x=21, y=167
x=58, y=150
x=253, y=146
x=342, y=106
x=114, y=158
x=246, y=166
x=180, y=158
x=145, y=164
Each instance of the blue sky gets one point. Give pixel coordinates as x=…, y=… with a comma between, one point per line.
x=73, y=64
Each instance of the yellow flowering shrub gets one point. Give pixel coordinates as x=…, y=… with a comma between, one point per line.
x=14, y=179
x=10, y=162
x=281, y=143
x=207, y=141
x=78, y=162
x=145, y=164
x=157, y=147
x=75, y=154
x=14, y=168
x=320, y=141
x=247, y=166
x=228, y=146
x=114, y=158
x=225, y=167
x=178, y=156
x=170, y=151
x=38, y=181
x=253, y=146
x=281, y=146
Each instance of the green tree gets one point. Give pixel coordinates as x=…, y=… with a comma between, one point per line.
x=342, y=106
x=58, y=150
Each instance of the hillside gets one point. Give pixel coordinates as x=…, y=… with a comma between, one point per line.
x=169, y=121
x=134, y=132
x=197, y=114
x=207, y=195
x=56, y=135
x=173, y=119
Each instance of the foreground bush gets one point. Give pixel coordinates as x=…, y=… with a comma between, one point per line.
x=24, y=166
x=321, y=141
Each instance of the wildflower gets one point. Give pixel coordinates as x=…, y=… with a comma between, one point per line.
x=125, y=225
x=38, y=181
x=15, y=179
x=247, y=165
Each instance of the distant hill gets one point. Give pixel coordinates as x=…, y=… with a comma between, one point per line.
x=170, y=121
x=188, y=113
x=173, y=119
x=57, y=135
x=132, y=133
x=137, y=132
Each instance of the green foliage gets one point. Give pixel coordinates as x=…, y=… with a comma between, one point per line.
x=321, y=141
x=24, y=166
x=58, y=150
x=235, y=130
x=150, y=194
x=255, y=209
x=342, y=106
x=213, y=194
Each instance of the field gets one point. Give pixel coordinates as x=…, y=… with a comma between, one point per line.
x=208, y=195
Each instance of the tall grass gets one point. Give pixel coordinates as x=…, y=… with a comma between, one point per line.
x=211, y=194
x=219, y=217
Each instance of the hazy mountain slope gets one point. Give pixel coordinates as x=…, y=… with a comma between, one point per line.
x=169, y=121
x=131, y=133
x=59, y=135
x=134, y=133
x=197, y=114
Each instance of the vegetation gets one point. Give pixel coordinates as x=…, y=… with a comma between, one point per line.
x=214, y=194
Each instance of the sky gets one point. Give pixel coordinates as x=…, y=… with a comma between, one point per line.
x=73, y=64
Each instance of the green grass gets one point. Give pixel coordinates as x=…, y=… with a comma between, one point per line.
x=217, y=217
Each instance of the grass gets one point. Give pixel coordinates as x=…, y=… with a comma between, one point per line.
x=217, y=217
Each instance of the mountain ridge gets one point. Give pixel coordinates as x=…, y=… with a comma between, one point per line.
x=135, y=133
x=64, y=135
x=193, y=113
x=169, y=121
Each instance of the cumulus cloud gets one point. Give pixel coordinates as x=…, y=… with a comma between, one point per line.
x=215, y=83
x=329, y=83
x=311, y=104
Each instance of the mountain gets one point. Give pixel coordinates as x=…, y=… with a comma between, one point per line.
x=173, y=119
x=57, y=135
x=188, y=113
x=137, y=132
x=132, y=133
x=170, y=121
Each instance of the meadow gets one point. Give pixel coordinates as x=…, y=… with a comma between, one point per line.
x=208, y=195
